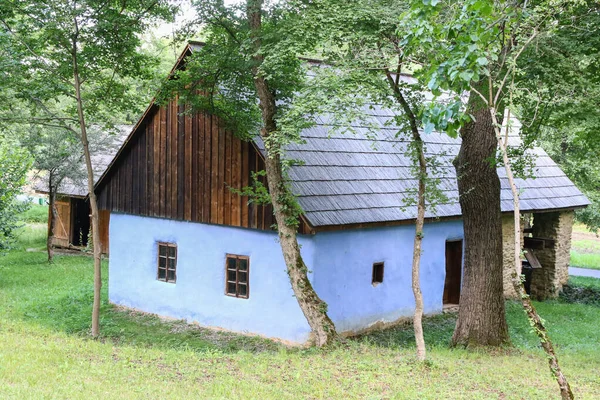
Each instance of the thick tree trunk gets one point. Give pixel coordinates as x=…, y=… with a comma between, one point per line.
x=52, y=218
x=92, y=197
x=481, y=317
x=314, y=309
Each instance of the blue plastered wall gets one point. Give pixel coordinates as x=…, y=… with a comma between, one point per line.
x=341, y=263
x=199, y=293
x=343, y=272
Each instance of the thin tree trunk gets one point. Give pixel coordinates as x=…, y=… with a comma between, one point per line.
x=481, y=317
x=52, y=218
x=92, y=196
x=314, y=309
x=534, y=318
x=416, y=262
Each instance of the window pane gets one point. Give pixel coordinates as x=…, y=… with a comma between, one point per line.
x=231, y=263
x=231, y=275
x=171, y=263
x=231, y=288
x=243, y=264
x=243, y=290
x=172, y=251
x=162, y=250
x=162, y=273
x=243, y=277
x=171, y=276
x=162, y=262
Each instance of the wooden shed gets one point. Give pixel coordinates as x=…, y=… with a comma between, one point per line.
x=73, y=222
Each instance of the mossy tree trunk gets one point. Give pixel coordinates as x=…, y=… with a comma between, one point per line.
x=314, y=309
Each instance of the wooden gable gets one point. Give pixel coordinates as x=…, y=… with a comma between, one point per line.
x=182, y=167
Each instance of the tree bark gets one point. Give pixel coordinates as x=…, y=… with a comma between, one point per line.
x=91, y=194
x=416, y=263
x=313, y=308
x=52, y=218
x=481, y=317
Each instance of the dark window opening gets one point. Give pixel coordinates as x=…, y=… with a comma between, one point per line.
x=237, y=269
x=167, y=262
x=377, y=276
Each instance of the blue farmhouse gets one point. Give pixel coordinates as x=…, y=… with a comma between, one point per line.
x=184, y=245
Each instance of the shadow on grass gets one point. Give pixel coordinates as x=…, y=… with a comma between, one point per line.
x=437, y=331
x=71, y=313
x=59, y=296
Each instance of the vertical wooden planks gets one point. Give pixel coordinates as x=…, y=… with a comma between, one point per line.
x=236, y=167
x=133, y=183
x=214, y=172
x=182, y=167
x=245, y=173
x=251, y=168
x=182, y=161
x=173, y=166
x=168, y=162
x=258, y=166
x=199, y=174
x=162, y=122
x=150, y=167
x=206, y=129
x=220, y=175
x=227, y=179
x=190, y=161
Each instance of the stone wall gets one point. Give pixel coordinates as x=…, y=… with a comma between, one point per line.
x=548, y=281
x=508, y=245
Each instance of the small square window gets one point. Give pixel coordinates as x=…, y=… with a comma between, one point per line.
x=167, y=262
x=237, y=269
x=377, y=276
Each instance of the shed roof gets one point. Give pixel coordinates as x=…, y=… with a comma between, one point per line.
x=108, y=148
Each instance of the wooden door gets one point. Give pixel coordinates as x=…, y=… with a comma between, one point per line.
x=62, y=226
x=453, y=271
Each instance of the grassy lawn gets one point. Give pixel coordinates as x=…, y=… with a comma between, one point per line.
x=36, y=214
x=45, y=351
x=585, y=248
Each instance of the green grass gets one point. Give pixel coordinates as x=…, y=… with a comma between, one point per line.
x=585, y=260
x=31, y=236
x=45, y=351
x=585, y=248
x=583, y=281
x=35, y=214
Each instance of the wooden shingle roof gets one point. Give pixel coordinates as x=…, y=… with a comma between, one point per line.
x=366, y=177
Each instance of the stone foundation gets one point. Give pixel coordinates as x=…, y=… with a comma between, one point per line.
x=549, y=280
x=508, y=245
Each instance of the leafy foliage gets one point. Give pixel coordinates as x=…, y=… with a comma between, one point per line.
x=14, y=164
x=40, y=39
x=561, y=81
